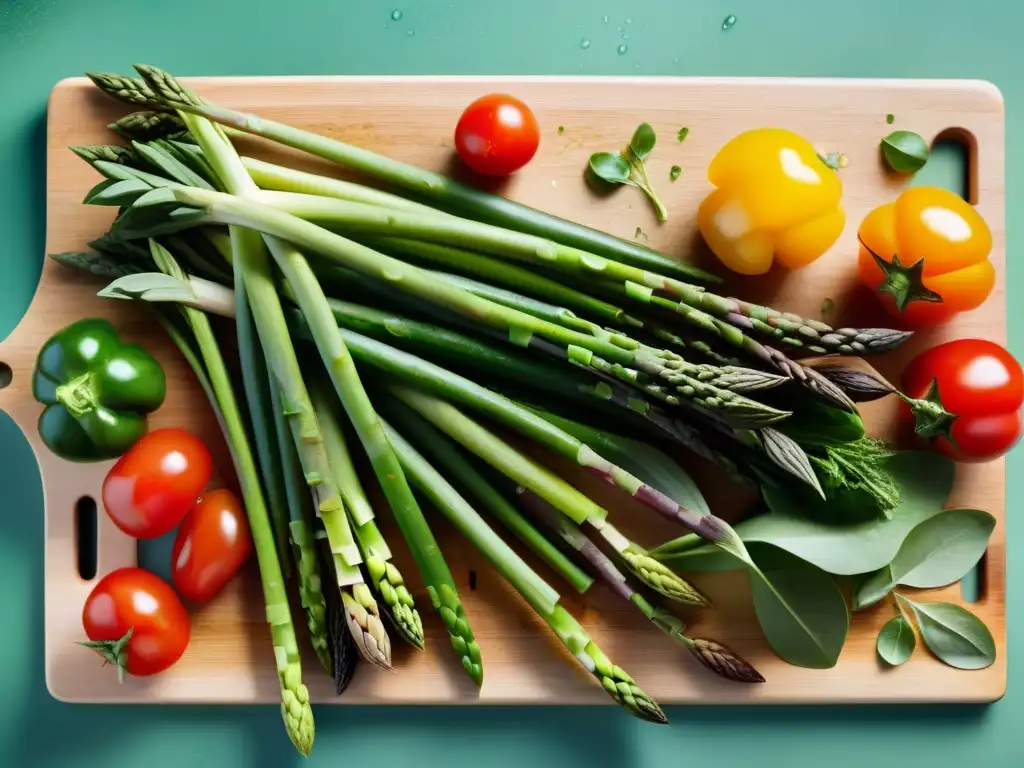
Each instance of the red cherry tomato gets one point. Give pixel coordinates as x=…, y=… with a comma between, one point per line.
x=979, y=389
x=212, y=543
x=497, y=135
x=136, y=601
x=154, y=485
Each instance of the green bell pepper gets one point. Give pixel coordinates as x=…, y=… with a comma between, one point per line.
x=97, y=391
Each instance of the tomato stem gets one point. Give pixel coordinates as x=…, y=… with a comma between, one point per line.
x=903, y=283
x=113, y=652
x=931, y=419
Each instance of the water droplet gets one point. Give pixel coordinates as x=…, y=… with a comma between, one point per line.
x=629, y=21
x=622, y=49
x=411, y=32
x=625, y=36
x=584, y=43
x=730, y=21
x=396, y=15
x=604, y=19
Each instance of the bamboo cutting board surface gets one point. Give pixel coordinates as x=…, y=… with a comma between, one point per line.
x=229, y=658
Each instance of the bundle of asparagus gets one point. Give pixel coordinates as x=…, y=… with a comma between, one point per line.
x=474, y=313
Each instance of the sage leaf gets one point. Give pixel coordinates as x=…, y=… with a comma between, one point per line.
x=925, y=480
x=905, y=151
x=955, y=635
x=896, y=641
x=938, y=552
x=787, y=454
x=801, y=610
x=611, y=167
x=642, y=143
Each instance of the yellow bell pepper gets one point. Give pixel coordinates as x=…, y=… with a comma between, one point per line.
x=775, y=200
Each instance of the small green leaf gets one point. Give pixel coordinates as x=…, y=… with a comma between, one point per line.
x=675, y=172
x=611, y=167
x=683, y=133
x=955, y=635
x=942, y=549
x=561, y=129
x=890, y=118
x=642, y=143
x=896, y=641
x=905, y=151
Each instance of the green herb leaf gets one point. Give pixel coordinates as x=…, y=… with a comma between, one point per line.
x=801, y=610
x=896, y=641
x=561, y=129
x=925, y=480
x=890, y=118
x=954, y=634
x=611, y=167
x=938, y=552
x=905, y=151
x=642, y=143
x=834, y=160
x=683, y=133
x=674, y=173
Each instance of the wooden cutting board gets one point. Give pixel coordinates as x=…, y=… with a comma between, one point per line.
x=229, y=658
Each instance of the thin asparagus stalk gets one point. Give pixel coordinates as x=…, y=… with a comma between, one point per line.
x=159, y=90
x=204, y=206
x=540, y=595
x=549, y=486
x=295, y=708
x=303, y=528
x=385, y=577
x=435, y=446
x=712, y=655
x=257, y=394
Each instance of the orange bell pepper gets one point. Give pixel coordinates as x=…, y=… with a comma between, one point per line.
x=926, y=255
x=776, y=200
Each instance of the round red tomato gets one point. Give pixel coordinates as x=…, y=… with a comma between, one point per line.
x=131, y=600
x=212, y=543
x=497, y=135
x=973, y=391
x=154, y=485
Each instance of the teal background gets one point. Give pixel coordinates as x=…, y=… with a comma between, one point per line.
x=42, y=41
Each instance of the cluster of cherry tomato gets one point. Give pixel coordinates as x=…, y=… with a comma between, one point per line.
x=132, y=617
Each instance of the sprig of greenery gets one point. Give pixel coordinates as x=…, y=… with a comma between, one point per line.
x=627, y=167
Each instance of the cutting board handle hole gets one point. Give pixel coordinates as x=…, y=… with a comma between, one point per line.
x=6, y=375
x=973, y=585
x=86, y=537
x=953, y=164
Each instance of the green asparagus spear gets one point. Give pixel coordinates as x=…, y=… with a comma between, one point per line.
x=540, y=595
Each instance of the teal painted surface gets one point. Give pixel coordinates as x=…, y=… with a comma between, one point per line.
x=42, y=41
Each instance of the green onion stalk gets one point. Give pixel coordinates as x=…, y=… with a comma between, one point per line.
x=158, y=90
x=553, y=489
x=541, y=596
x=295, y=707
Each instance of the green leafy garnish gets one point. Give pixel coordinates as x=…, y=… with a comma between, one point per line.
x=955, y=635
x=683, y=133
x=890, y=118
x=905, y=151
x=674, y=173
x=561, y=129
x=834, y=160
x=896, y=641
x=627, y=167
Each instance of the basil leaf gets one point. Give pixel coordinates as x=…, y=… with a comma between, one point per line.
x=954, y=634
x=905, y=151
x=611, y=167
x=896, y=641
x=642, y=143
x=925, y=480
x=800, y=608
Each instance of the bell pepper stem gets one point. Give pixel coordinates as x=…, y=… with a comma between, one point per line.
x=77, y=395
x=904, y=283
